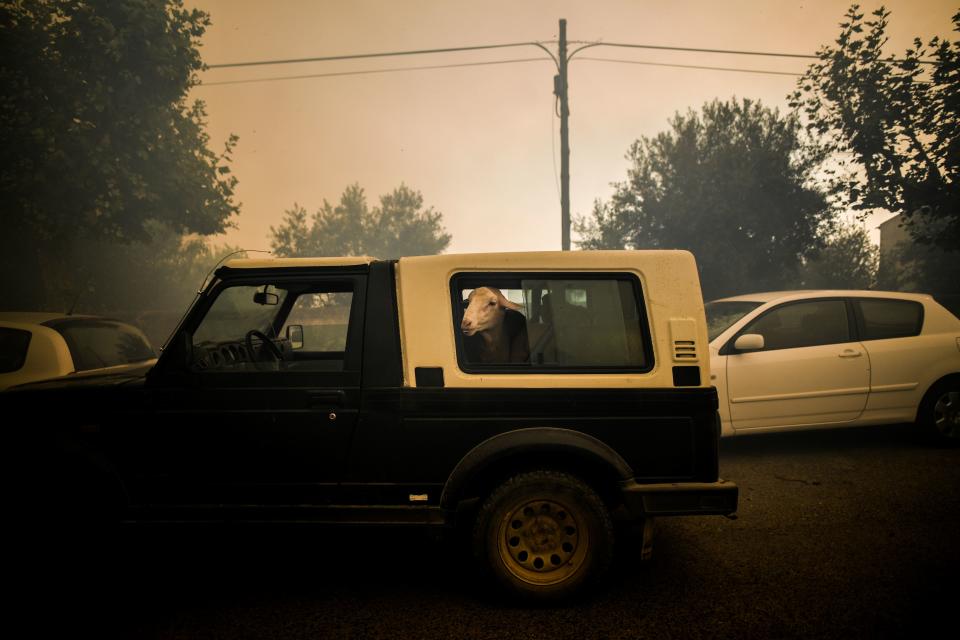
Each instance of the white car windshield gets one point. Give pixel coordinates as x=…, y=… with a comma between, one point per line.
x=98, y=343
x=722, y=314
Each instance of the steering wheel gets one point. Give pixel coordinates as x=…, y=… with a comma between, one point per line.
x=268, y=345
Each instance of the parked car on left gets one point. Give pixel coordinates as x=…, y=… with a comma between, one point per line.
x=40, y=346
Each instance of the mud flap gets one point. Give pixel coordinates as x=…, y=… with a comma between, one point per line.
x=646, y=550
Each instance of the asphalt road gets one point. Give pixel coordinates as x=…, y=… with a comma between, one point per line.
x=843, y=533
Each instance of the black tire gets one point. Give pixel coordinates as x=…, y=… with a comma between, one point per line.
x=939, y=412
x=543, y=536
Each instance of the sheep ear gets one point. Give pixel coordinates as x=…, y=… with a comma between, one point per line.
x=508, y=304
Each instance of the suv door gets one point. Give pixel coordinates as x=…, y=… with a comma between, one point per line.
x=263, y=409
x=812, y=370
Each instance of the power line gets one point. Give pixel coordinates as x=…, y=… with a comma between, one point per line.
x=553, y=150
x=771, y=54
x=486, y=63
x=586, y=45
x=370, y=71
x=385, y=54
x=694, y=66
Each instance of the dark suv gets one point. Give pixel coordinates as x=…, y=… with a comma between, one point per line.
x=534, y=398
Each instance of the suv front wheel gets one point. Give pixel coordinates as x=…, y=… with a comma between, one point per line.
x=544, y=535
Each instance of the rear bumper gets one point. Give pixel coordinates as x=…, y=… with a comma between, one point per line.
x=680, y=498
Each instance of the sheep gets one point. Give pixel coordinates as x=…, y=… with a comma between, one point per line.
x=494, y=329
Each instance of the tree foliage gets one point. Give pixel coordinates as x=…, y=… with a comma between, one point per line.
x=897, y=119
x=732, y=184
x=159, y=274
x=97, y=139
x=910, y=266
x=149, y=283
x=400, y=226
x=848, y=260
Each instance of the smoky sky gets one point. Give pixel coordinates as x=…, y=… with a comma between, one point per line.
x=481, y=141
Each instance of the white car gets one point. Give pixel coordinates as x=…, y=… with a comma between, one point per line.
x=41, y=346
x=791, y=360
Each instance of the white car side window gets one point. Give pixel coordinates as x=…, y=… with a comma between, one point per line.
x=803, y=324
x=890, y=318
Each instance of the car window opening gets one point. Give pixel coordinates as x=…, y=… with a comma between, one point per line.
x=551, y=323
x=306, y=328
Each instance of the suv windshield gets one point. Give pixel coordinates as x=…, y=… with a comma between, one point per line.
x=722, y=315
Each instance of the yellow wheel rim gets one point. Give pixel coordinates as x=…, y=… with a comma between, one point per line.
x=543, y=542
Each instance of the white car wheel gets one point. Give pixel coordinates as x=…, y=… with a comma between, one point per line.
x=946, y=414
x=940, y=411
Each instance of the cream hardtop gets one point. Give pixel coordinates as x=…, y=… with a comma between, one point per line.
x=545, y=260
x=269, y=263
x=668, y=280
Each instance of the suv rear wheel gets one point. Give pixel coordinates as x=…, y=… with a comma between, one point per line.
x=544, y=535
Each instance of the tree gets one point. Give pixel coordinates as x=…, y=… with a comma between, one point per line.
x=897, y=120
x=162, y=274
x=848, y=260
x=732, y=184
x=97, y=141
x=400, y=226
x=910, y=266
x=148, y=283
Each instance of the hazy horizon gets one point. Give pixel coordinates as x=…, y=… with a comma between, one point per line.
x=481, y=142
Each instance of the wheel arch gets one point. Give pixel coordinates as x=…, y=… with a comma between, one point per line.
x=950, y=377
x=500, y=456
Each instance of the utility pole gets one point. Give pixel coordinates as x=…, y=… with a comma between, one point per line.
x=560, y=90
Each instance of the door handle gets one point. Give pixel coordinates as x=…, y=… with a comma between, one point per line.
x=325, y=399
x=850, y=353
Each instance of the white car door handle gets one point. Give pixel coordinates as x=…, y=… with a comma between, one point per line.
x=849, y=353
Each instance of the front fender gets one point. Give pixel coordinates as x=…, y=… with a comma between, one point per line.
x=718, y=378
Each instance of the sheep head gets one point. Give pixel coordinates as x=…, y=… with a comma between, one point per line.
x=486, y=308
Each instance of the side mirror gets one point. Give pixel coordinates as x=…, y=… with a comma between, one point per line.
x=749, y=342
x=264, y=298
x=295, y=336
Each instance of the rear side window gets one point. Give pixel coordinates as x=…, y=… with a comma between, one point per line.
x=13, y=349
x=94, y=345
x=881, y=318
x=550, y=323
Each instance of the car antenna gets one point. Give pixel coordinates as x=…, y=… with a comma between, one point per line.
x=73, y=305
x=76, y=299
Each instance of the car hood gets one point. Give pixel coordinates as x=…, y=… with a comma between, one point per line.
x=125, y=375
